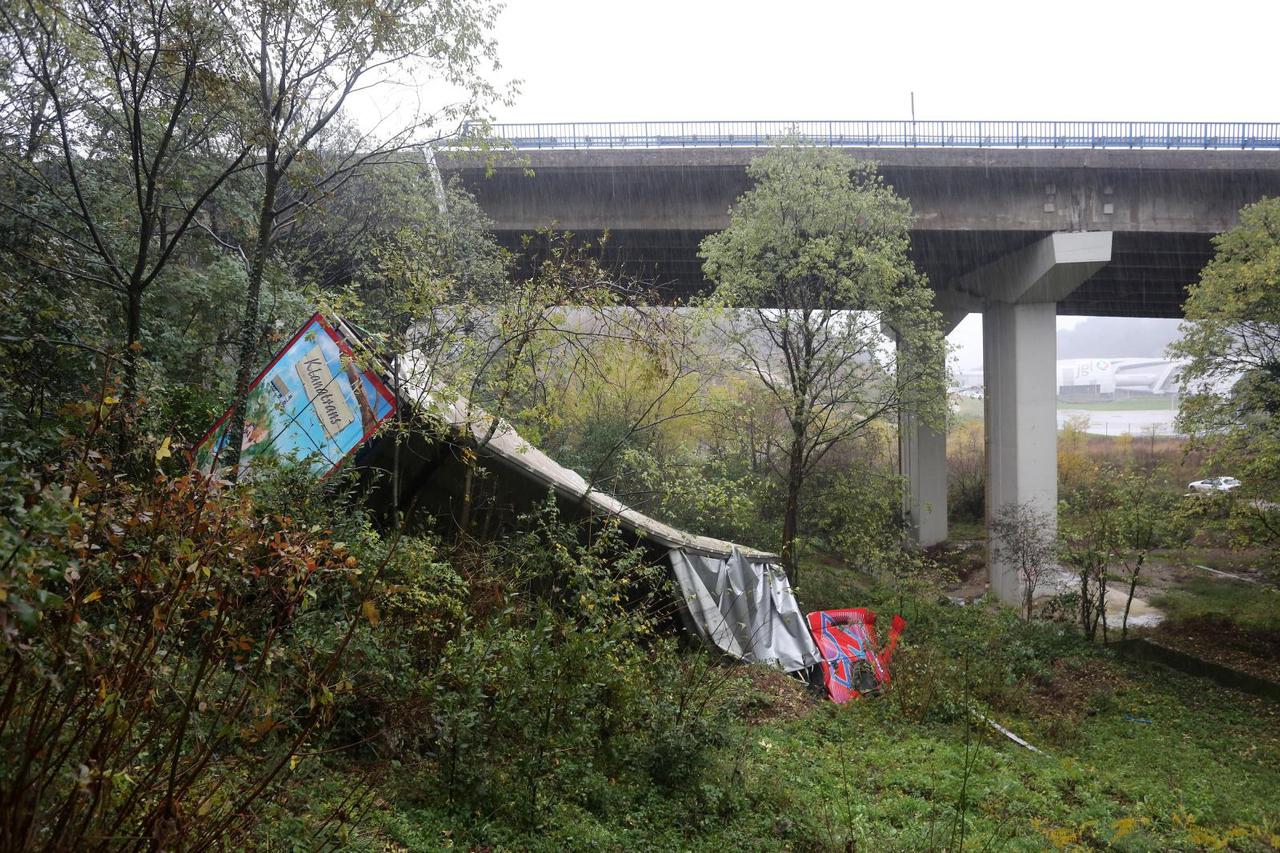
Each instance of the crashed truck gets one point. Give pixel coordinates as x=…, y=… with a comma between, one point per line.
x=314, y=405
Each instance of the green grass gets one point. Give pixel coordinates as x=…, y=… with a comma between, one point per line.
x=1248, y=605
x=1133, y=404
x=965, y=531
x=1135, y=757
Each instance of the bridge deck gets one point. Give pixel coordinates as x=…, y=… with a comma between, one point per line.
x=972, y=205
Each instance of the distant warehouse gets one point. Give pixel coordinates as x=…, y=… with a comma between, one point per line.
x=1095, y=379
x=1118, y=378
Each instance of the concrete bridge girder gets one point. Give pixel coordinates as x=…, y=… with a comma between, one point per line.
x=972, y=206
x=949, y=189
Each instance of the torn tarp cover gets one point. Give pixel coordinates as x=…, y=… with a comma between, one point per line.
x=745, y=608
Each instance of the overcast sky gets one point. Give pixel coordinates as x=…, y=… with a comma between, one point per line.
x=597, y=60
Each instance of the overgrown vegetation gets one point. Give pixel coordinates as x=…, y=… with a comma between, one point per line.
x=1231, y=387
x=915, y=770
x=171, y=648
x=192, y=662
x=815, y=260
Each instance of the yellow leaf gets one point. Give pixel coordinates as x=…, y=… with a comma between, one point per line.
x=370, y=611
x=264, y=725
x=92, y=597
x=110, y=400
x=163, y=451
x=293, y=762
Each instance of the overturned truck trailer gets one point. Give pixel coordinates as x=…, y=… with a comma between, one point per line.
x=324, y=395
x=737, y=599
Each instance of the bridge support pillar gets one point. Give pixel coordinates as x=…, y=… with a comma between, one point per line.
x=1019, y=334
x=922, y=457
x=1019, y=352
x=922, y=452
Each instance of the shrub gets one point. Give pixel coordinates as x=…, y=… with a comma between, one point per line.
x=155, y=686
x=857, y=515
x=714, y=496
x=564, y=689
x=967, y=473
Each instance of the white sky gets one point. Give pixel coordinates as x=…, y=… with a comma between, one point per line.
x=966, y=340
x=1153, y=60
x=600, y=60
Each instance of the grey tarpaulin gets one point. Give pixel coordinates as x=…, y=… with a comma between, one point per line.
x=744, y=608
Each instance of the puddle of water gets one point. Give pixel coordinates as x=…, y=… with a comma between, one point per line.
x=1141, y=613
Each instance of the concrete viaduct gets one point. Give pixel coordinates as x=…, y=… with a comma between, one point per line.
x=1016, y=226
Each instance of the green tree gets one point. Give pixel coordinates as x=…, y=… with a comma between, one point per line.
x=1231, y=384
x=1146, y=519
x=1090, y=540
x=303, y=62
x=813, y=264
x=117, y=130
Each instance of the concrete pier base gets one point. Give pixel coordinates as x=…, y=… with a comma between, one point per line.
x=1020, y=348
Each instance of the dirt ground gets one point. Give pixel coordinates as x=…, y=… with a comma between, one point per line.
x=1074, y=690
x=967, y=562
x=776, y=696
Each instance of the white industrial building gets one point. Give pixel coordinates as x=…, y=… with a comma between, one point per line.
x=1118, y=378
x=1092, y=379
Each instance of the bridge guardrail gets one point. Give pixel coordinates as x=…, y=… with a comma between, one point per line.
x=889, y=134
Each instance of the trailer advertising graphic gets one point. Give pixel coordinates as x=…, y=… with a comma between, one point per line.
x=312, y=404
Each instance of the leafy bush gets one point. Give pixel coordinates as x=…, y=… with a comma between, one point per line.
x=565, y=688
x=967, y=473
x=156, y=682
x=857, y=514
x=709, y=495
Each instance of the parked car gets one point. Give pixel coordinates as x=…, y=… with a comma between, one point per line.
x=1214, y=484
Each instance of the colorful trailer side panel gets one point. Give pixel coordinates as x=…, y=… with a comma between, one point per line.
x=311, y=404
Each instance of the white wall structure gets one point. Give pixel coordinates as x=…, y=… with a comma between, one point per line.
x=922, y=456
x=1019, y=344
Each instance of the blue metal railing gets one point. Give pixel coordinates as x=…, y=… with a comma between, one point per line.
x=887, y=134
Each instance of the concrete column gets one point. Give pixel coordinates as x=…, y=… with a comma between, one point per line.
x=923, y=453
x=1019, y=350
x=1020, y=292
x=922, y=458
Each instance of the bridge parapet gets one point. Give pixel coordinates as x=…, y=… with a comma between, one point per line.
x=1167, y=135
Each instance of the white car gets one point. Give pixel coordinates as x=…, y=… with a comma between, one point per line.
x=1214, y=484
